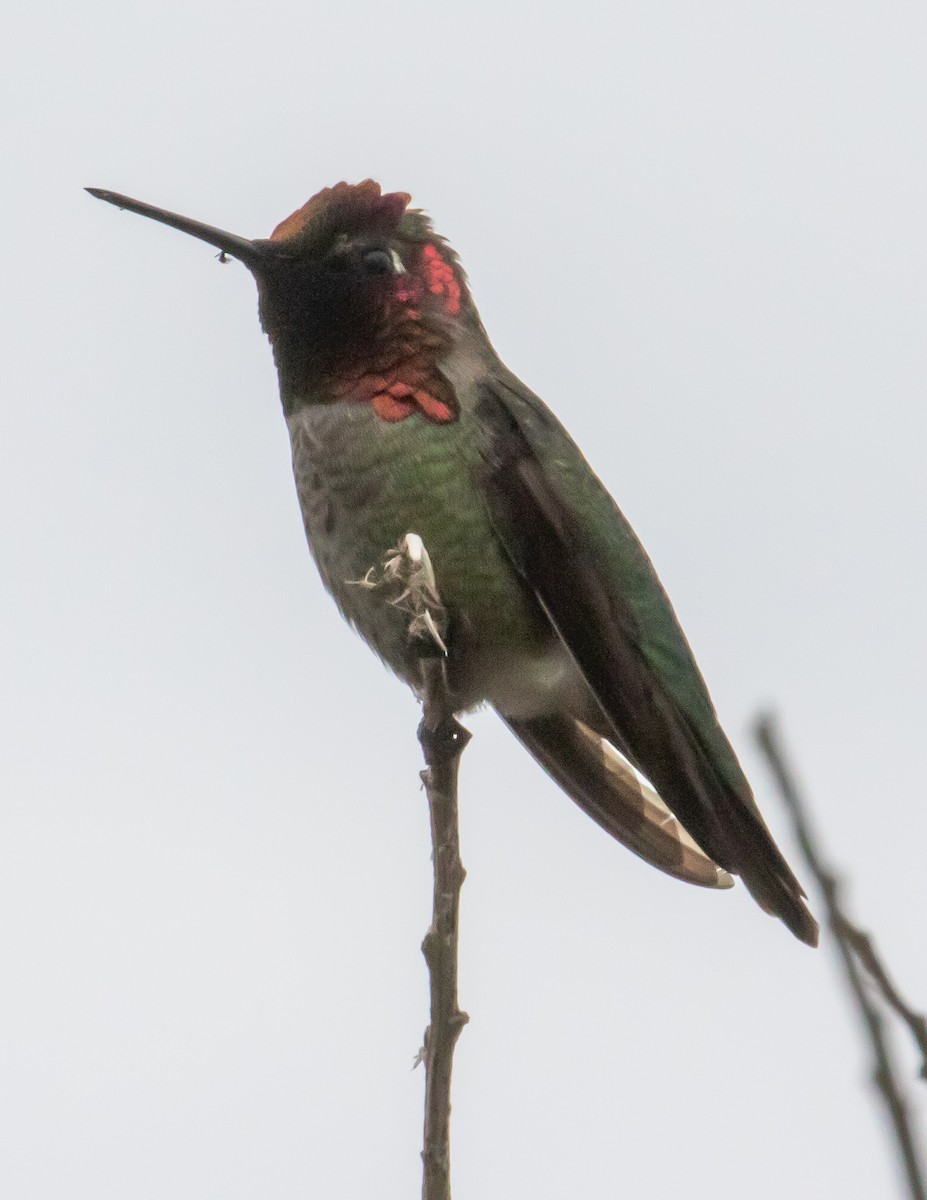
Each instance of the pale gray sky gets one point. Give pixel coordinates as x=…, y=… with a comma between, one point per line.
x=698, y=230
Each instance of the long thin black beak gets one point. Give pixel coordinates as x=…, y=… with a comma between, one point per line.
x=254, y=255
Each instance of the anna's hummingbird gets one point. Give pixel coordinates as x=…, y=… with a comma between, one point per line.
x=403, y=419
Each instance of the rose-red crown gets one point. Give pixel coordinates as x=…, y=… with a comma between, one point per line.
x=344, y=208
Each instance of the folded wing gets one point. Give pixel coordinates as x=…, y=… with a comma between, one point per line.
x=592, y=578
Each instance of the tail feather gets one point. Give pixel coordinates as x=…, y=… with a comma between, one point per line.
x=601, y=782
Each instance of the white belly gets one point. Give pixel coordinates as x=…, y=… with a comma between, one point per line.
x=532, y=685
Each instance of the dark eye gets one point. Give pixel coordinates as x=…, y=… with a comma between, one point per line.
x=377, y=262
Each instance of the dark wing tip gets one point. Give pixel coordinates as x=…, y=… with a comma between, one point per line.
x=782, y=898
x=801, y=922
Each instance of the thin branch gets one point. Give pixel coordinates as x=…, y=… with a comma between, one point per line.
x=442, y=740
x=867, y=955
x=860, y=964
x=408, y=574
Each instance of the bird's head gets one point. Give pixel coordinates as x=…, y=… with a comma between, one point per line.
x=352, y=277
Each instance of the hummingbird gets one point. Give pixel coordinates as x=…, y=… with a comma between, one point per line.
x=402, y=418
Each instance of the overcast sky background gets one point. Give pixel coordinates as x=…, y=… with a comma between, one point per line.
x=698, y=230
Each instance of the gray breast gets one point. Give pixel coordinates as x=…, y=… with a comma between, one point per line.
x=343, y=468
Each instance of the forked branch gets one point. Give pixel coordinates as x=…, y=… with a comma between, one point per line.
x=866, y=977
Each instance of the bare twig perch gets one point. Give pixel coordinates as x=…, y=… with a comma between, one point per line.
x=866, y=976
x=443, y=740
x=442, y=745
